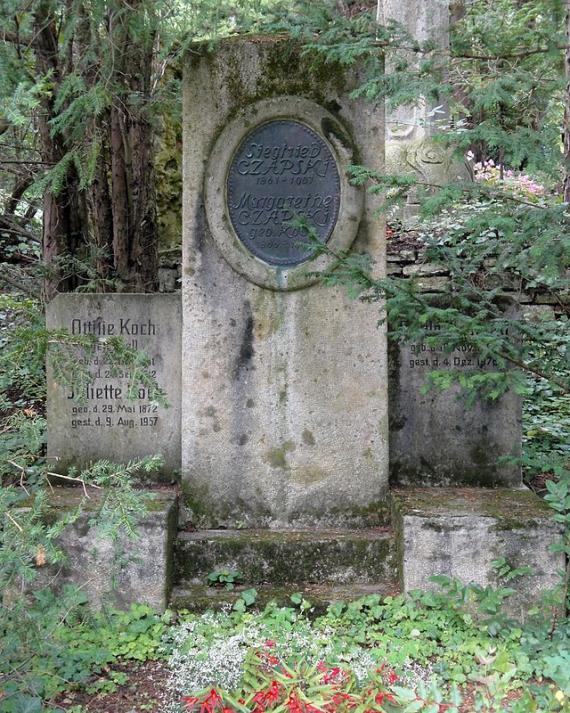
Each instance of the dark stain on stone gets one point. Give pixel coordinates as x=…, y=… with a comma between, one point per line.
x=308, y=437
x=246, y=350
x=243, y=439
x=250, y=403
x=331, y=128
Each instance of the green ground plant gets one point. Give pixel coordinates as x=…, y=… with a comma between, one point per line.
x=422, y=652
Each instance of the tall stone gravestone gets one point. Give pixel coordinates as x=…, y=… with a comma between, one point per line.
x=103, y=421
x=284, y=396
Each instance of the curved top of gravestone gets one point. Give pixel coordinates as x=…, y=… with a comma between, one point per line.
x=280, y=161
x=283, y=172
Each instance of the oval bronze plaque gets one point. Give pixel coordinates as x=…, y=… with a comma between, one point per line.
x=281, y=171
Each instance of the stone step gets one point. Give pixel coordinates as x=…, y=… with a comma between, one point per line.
x=200, y=597
x=281, y=557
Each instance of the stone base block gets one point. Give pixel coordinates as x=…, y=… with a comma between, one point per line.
x=282, y=557
x=459, y=532
x=199, y=597
x=118, y=573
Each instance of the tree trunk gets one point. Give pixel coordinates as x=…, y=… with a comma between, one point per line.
x=56, y=236
x=116, y=214
x=567, y=108
x=135, y=225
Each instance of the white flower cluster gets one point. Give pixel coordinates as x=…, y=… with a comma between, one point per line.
x=198, y=662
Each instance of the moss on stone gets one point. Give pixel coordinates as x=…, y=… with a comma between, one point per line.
x=277, y=457
x=512, y=509
x=308, y=437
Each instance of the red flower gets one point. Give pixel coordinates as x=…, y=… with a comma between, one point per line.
x=270, y=643
x=189, y=701
x=392, y=678
x=294, y=704
x=272, y=695
x=211, y=701
x=335, y=675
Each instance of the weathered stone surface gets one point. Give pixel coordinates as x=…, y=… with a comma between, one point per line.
x=425, y=21
x=459, y=532
x=432, y=284
x=288, y=556
x=123, y=572
x=425, y=268
x=434, y=438
x=284, y=381
x=105, y=423
x=537, y=313
x=199, y=597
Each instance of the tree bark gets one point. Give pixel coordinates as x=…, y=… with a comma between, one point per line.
x=116, y=213
x=567, y=108
x=135, y=225
x=56, y=218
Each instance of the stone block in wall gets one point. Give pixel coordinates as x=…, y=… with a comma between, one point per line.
x=535, y=313
x=394, y=269
x=425, y=268
x=432, y=284
x=401, y=255
x=553, y=299
x=168, y=279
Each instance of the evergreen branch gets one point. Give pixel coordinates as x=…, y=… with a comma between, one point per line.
x=389, y=44
x=75, y=480
x=532, y=370
x=14, y=522
x=15, y=38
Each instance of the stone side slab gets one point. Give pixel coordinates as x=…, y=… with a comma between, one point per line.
x=458, y=532
x=117, y=573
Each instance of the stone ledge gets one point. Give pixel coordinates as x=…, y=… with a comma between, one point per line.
x=281, y=557
x=202, y=597
x=140, y=570
x=458, y=532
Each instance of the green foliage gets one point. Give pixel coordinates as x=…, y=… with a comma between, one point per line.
x=226, y=578
x=52, y=643
x=504, y=97
x=39, y=655
x=431, y=643
x=247, y=599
